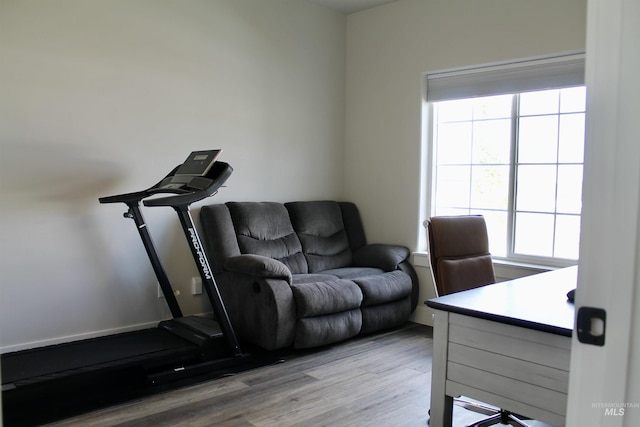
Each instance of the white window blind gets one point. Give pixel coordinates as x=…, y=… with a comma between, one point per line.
x=507, y=142
x=516, y=77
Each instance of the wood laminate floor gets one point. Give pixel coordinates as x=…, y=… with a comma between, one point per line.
x=374, y=380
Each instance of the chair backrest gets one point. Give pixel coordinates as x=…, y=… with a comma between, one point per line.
x=459, y=253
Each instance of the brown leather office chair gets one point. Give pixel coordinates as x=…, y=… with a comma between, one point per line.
x=459, y=253
x=460, y=260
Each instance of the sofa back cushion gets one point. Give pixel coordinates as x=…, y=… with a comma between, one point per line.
x=264, y=228
x=353, y=225
x=321, y=231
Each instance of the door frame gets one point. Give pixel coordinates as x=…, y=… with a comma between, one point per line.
x=604, y=383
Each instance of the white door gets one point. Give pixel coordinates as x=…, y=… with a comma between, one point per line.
x=604, y=387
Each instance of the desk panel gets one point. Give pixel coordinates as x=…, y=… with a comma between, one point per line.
x=514, y=364
x=512, y=341
x=501, y=402
x=514, y=369
x=517, y=364
x=509, y=367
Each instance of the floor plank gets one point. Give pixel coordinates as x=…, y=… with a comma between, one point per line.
x=375, y=380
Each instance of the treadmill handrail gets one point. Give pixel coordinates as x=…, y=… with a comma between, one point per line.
x=126, y=198
x=217, y=176
x=136, y=196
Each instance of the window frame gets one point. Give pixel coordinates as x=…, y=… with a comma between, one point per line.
x=523, y=66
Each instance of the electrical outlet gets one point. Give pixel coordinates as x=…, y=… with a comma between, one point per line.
x=161, y=294
x=196, y=285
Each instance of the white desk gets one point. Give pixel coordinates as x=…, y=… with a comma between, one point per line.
x=507, y=344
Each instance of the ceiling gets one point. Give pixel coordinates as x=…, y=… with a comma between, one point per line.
x=350, y=6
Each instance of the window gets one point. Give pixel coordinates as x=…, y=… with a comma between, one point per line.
x=516, y=158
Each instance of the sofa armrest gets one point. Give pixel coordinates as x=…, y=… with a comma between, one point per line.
x=259, y=266
x=262, y=310
x=386, y=257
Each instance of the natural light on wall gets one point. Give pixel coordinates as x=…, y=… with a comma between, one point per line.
x=516, y=158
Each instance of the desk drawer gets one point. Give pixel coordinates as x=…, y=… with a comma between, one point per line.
x=519, y=369
x=509, y=367
x=515, y=342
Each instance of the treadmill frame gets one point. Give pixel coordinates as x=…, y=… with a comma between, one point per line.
x=117, y=380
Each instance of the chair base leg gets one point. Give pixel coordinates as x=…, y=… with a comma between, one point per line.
x=477, y=407
x=504, y=417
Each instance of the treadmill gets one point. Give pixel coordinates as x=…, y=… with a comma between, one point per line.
x=48, y=383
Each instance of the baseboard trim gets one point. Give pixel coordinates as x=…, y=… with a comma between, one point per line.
x=76, y=337
x=422, y=315
x=84, y=336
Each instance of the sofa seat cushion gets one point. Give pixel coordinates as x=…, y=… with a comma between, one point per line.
x=310, y=278
x=353, y=272
x=323, y=330
x=385, y=316
x=383, y=288
x=318, y=298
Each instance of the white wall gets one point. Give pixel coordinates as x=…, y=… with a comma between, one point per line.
x=107, y=96
x=389, y=48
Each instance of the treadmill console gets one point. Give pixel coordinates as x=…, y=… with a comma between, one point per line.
x=198, y=177
x=191, y=174
x=198, y=163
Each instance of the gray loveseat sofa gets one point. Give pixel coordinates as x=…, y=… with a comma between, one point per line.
x=301, y=274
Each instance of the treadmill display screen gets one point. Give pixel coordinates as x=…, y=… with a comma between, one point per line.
x=198, y=163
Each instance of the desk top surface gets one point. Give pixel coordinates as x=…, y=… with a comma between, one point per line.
x=534, y=302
